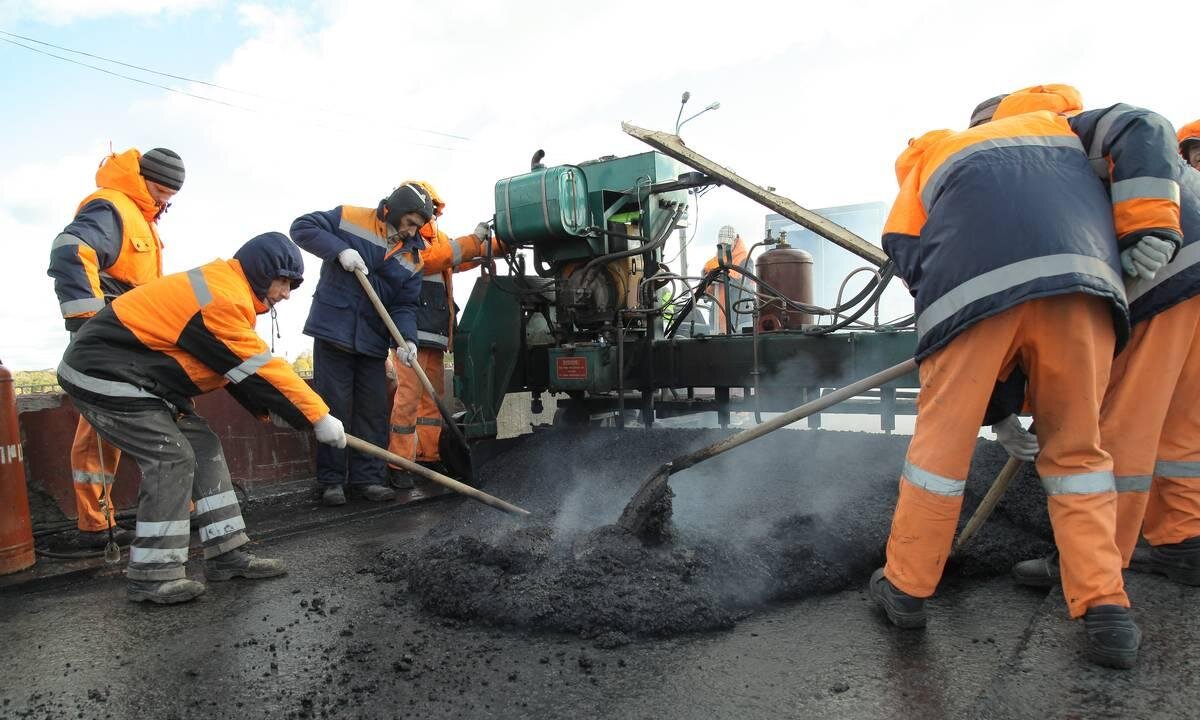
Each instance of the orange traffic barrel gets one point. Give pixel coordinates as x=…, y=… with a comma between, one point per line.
x=16, y=529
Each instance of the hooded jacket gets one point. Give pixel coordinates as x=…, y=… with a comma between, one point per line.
x=1012, y=210
x=341, y=313
x=190, y=333
x=723, y=310
x=111, y=246
x=1188, y=133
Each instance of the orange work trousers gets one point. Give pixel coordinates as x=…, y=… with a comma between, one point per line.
x=1065, y=346
x=1150, y=424
x=416, y=424
x=93, y=465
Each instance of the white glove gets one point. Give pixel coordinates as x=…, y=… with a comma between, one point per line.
x=408, y=353
x=1145, y=258
x=1019, y=442
x=351, y=261
x=483, y=232
x=329, y=430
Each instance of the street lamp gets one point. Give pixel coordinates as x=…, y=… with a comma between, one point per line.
x=683, y=101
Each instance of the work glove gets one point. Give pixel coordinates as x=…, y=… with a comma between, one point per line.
x=1019, y=442
x=329, y=430
x=408, y=353
x=1146, y=257
x=351, y=261
x=483, y=232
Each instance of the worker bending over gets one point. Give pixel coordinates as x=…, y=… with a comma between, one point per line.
x=110, y=247
x=132, y=372
x=350, y=340
x=1149, y=422
x=1006, y=239
x=416, y=424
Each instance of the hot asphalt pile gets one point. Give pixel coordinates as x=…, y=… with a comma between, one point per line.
x=793, y=514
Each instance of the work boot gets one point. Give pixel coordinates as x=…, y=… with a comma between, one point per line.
x=401, y=479
x=237, y=563
x=1040, y=572
x=1113, y=637
x=1180, y=562
x=98, y=539
x=164, y=592
x=375, y=493
x=333, y=496
x=905, y=611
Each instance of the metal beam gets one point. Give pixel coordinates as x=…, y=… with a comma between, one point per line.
x=673, y=146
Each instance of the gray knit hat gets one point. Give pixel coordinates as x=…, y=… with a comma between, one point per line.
x=984, y=111
x=164, y=167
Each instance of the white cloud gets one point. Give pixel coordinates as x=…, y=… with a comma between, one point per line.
x=815, y=100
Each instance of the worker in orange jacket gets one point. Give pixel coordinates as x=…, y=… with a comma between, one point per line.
x=110, y=247
x=133, y=370
x=416, y=424
x=1147, y=421
x=723, y=311
x=1037, y=289
x=1189, y=143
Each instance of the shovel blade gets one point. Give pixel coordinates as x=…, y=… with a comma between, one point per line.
x=648, y=514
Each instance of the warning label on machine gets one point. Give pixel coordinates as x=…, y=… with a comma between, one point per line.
x=571, y=368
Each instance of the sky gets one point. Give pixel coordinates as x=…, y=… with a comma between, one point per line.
x=328, y=103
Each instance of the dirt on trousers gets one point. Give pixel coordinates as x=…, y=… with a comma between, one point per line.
x=793, y=514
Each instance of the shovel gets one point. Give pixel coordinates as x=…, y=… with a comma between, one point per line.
x=649, y=512
x=365, y=447
x=459, y=439
x=112, y=551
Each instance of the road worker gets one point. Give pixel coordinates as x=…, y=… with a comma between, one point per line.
x=350, y=340
x=723, y=310
x=110, y=247
x=1189, y=143
x=132, y=372
x=1013, y=251
x=416, y=424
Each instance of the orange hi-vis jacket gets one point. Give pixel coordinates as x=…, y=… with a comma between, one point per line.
x=1012, y=210
x=443, y=257
x=181, y=336
x=723, y=310
x=111, y=246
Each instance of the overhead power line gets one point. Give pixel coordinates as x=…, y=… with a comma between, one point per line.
x=181, y=78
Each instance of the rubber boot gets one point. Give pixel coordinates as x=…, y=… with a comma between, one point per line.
x=1180, y=562
x=1113, y=638
x=903, y=610
x=237, y=563
x=164, y=592
x=333, y=496
x=1040, y=572
x=401, y=479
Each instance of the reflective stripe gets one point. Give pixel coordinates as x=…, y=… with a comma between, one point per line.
x=932, y=482
x=407, y=264
x=456, y=253
x=213, y=502
x=157, y=555
x=1013, y=275
x=435, y=278
x=361, y=232
x=65, y=239
x=1096, y=152
x=1188, y=256
x=404, y=429
x=101, y=387
x=1082, y=484
x=1177, y=468
x=222, y=528
x=1145, y=188
x=199, y=286
x=934, y=184
x=248, y=367
x=164, y=528
x=433, y=337
x=430, y=421
x=1133, y=483
x=72, y=307
x=83, y=477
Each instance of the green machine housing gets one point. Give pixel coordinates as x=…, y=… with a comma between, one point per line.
x=586, y=322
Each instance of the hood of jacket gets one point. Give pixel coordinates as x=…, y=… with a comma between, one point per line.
x=122, y=172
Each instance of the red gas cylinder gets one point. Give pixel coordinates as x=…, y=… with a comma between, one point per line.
x=790, y=271
x=16, y=530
